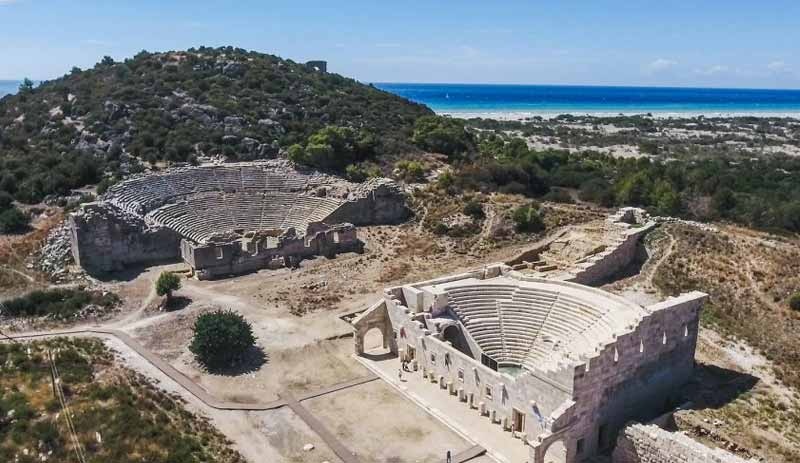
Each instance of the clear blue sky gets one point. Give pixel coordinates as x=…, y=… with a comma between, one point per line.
x=731, y=43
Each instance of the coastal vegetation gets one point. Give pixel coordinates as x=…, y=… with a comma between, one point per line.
x=114, y=414
x=59, y=303
x=103, y=123
x=95, y=126
x=758, y=191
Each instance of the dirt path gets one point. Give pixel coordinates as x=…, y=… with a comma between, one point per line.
x=17, y=272
x=652, y=270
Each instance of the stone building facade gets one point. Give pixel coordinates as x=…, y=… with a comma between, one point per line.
x=560, y=365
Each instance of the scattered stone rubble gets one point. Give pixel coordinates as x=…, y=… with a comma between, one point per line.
x=55, y=255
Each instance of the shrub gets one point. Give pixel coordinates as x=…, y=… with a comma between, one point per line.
x=794, y=302
x=527, y=219
x=559, y=196
x=6, y=200
x=13, y=220
x=443, y=135
x=334, y=148
x=167, y=283
x=474, y=209
x=410, y=171
x=362, y=171
x=221, y=338
x=58, y=303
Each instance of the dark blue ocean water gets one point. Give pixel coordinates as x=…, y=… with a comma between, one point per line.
x=556, y=99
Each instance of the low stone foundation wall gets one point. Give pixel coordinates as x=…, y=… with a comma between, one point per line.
x=217, y=260
x=604, y=265
x=640, y=443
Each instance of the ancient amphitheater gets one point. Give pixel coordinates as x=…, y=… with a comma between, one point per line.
x=229, y=219
x=560, y=366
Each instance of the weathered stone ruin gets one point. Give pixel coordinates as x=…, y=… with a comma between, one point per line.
x=591, y=253
x=230, y=219
x=560, y=365
x=648, y=443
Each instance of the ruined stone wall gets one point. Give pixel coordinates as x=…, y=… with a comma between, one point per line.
x=217, y=260
x=603, y=265
x=105, y=239
x=376, y=202
x=635, y=376
x=639, y=443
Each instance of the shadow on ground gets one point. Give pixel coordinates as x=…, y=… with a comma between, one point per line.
x=130, y=272
x=177, y=303
x=253, y=360
x=378, y=356
x=713, y=387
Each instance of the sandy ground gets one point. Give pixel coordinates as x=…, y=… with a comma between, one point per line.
x=360, y=414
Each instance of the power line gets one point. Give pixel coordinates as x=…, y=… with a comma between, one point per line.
x=59, y=393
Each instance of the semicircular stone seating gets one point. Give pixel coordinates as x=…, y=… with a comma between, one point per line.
x=200, y=202
x=528, y=326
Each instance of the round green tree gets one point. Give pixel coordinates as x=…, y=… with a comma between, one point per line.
x=221, y=339
x=167, y=283
x=794, y=301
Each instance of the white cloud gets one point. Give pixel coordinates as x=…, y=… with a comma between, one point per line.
x=660, y=65
x=712, y=70
x=777, y=66
x=7, y=2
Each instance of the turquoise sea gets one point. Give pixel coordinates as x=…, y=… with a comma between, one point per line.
x=514, y=101
x=528, y=100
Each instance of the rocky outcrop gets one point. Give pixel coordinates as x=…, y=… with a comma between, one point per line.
x=55, y=254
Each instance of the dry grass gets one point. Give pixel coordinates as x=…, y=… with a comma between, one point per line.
x=134, y=420
x=749, y=277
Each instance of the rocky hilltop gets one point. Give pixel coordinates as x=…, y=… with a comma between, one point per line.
x=180, y=106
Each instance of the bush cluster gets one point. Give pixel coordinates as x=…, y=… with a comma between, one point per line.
x=759, y=192
x=528, y=219
x=335, y=148
x=58, y=303
x=136, y=107
x=12, y=220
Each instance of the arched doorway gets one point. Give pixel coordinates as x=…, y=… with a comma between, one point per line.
x=556, y=453
x=374, y=342
x=454, y=336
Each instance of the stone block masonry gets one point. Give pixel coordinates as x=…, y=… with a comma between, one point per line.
x=105, y=239
x=641, y=443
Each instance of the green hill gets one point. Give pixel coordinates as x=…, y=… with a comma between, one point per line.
x=176, y=106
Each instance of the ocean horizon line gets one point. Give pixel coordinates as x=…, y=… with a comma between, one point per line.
x=616, y=86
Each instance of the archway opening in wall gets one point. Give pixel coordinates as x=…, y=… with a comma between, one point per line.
x=454, y=336
x=556, y=453
x=373, y=342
